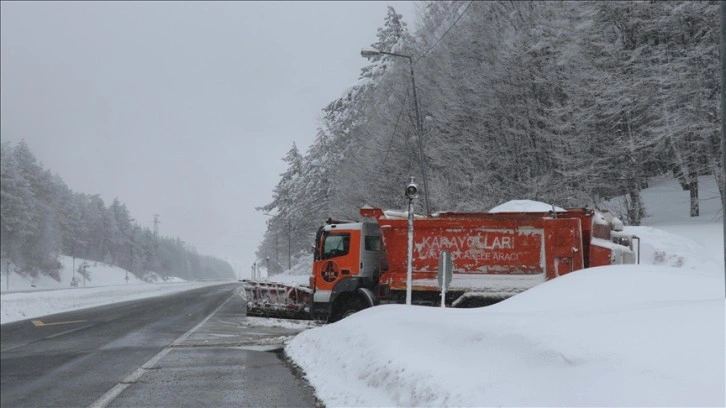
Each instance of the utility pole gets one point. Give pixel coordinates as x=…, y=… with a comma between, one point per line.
x=419, y=123
x=723, y=128
x=289, y=244
x=156, y=225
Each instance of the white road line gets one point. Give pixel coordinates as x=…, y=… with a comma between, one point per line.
x=17, y=346
x=117, y=389
x=66, y=332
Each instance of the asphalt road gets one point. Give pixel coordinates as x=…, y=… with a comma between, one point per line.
x=190, y=349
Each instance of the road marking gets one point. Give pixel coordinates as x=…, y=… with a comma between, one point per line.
x=117, y=389
x=39, y=323
x=17, y=346
x=66, y=332
x=14, y=347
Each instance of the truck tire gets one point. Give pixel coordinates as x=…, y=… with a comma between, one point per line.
x=350, y=306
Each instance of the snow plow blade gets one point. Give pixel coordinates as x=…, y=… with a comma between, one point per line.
x=270, y=299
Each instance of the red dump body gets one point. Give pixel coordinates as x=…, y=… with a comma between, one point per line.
x=494, y=254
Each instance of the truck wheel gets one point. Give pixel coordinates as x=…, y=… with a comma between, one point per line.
x=351, y=306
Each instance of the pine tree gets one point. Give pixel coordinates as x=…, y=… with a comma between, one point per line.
x=16, y=222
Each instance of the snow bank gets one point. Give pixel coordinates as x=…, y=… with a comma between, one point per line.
x=35, y=297
x=610, y=336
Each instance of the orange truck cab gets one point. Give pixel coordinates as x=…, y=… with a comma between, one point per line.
x=495, y=256
x=345, y=268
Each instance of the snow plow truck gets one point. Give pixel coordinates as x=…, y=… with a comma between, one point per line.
x=494, y=256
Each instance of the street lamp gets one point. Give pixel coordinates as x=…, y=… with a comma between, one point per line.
x=411, y=194
x=419, y=125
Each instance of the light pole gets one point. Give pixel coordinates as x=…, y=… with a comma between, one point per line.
x=411, y=193
x=419, y=124
x=723, y=124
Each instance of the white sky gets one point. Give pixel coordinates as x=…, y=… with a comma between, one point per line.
x=184, y=109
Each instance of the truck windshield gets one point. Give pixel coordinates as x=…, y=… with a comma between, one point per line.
x=336, y=245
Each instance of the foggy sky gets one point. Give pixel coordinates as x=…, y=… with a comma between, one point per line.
x=183, y=109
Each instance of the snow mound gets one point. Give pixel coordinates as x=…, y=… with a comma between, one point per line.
x=612, y=336
x=524, y=206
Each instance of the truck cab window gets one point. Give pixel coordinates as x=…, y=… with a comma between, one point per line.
x=336, y=245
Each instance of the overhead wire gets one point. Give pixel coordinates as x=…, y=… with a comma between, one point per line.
x=390, y=144
x=445, y=33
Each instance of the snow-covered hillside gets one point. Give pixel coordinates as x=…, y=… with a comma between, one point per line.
x=99, y=274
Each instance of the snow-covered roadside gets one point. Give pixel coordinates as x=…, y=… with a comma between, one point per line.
x=34, y=297
x=98, y=273
x=611, y=336
x=28, y=305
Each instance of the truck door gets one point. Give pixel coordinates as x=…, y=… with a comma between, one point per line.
x=339, y=258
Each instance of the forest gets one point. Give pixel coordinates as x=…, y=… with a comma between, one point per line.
x=570, y=103
x=42, y=218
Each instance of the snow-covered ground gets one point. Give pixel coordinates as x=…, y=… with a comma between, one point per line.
x=99, y=274
x=29, y=298
x=638, y=335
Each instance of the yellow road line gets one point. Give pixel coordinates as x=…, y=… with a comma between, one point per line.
x=39, y=323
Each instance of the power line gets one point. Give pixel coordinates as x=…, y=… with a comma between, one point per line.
x=393, y=134
x=447, y=32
